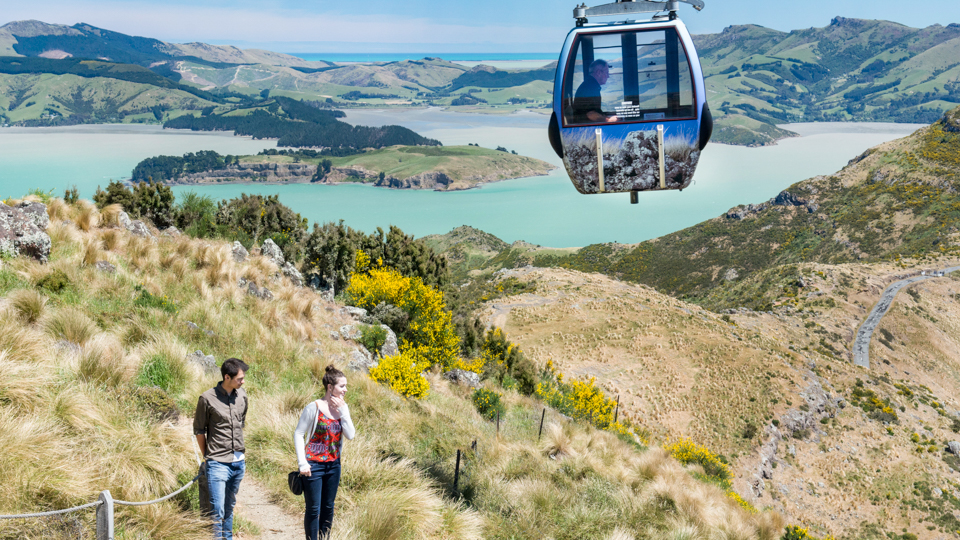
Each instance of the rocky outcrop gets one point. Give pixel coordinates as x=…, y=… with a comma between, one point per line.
x=784, y=198
x=137, y=227
x=239, y=252
x=21, y=232
x=205, y=362
x=272, y=251
x=292, y=274
x=426, y=180
x=462, y=377
x=361, y=360
x=257, y=292
x=252, y=172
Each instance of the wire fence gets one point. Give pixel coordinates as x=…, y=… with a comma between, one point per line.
x=105, y=504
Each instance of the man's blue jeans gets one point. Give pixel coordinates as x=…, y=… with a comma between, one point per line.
x=224, y=482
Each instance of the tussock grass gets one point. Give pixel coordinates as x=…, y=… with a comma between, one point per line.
x=91, y=251
x=113, y=239
x=110, y=215
x=87, y=217
x=21, y=385
x=21, y=343
x=103, y=361
x=28, y=304
x=70, y=324
x=58, y=210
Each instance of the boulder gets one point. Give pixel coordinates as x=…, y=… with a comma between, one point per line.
x=390, y=347
x=20, y=235
x=349, y=331
x=139, y=228
x=37, y=213
x=293, y=274
x=171, y=231
x=205, y=362
x=462, y=377
x=123, y=219
x=954, y=448
x=257, y=292
x=335, y=336
x=361, y=360
x=272, y=251
x=105, y=267
x=239, y=252
x=355, y=312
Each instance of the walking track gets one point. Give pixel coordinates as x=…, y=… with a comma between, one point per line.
x=861, y=347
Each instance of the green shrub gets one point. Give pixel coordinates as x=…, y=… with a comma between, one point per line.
x=373, y=336
x=147, y=300
x=54, y=282
x=71, y=195
x=150, y=200
x=196, y=215
x=255, y=218
x=488, y=403
x=167, y=375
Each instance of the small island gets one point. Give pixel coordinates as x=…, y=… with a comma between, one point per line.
x=440, y=168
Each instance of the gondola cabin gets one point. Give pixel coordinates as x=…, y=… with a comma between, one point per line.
x=630, y=112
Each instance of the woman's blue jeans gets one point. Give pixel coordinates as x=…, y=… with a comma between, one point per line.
x=320, y=491
x=223, y=480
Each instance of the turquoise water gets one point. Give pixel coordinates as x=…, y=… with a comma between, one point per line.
x=544, y=210
x=399, y=57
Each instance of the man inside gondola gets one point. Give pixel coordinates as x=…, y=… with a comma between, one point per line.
x=587, y=106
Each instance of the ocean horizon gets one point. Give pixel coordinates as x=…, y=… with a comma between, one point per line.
x=401, y=56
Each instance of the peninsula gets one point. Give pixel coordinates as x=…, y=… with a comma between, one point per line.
x=440, y=168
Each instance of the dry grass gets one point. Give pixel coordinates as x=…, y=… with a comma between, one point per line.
x=70, y=324
x=58, y=210
x=113, y=239
x=104, y=361
x=22, y=385
x=91, y=251
x=28, y=304
x=110, y=214
x=87, y=217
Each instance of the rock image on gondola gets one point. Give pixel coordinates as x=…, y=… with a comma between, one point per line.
x=630, y=164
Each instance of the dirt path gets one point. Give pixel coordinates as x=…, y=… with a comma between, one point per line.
x=861, y=347
x=253, y=503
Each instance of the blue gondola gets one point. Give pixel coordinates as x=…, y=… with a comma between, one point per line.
x=629, y=108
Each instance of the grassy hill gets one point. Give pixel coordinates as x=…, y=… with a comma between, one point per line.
x=94, y=365
x=47, y=98
x=853, y=69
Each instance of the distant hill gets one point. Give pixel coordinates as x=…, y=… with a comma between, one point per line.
x=36, y=38
x=851, y=70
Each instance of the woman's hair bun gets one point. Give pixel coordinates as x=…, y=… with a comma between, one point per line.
x=332, y=375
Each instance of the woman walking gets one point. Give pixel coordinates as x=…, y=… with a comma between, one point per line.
x=318, y=439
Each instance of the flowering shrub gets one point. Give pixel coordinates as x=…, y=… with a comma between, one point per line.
x=505, y=362
x=430, y=332
x=402, y=373
x=686, y=451
x=794, y=532
x=582, y=400
x=488, y=403
x=470, y=364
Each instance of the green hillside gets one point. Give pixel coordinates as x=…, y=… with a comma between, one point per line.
x=897, y=200
x=851, y=70
x=46, y=99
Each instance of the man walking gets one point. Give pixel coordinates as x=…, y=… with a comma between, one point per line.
x=218, y=425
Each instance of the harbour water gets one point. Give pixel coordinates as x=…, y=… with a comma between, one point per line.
x=543, y=210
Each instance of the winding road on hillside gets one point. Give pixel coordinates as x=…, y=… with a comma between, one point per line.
x=861, y=347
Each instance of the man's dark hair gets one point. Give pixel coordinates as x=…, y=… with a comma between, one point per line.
x=232, y=366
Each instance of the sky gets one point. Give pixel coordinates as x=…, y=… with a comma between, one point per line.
x=429, y=26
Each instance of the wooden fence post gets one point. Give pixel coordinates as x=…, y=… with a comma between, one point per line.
x=456, y=472
x=616, y=412
x=105, y=517
x=498, y=423
x=542, y=416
